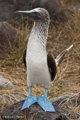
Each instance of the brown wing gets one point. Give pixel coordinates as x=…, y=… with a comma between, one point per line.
x=24, y=58
x=52, y=66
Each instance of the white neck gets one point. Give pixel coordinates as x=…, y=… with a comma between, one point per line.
x=39, y=34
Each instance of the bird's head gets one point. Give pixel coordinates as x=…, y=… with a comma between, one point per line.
x=36, y=14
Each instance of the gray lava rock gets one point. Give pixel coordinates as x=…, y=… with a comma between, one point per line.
x=7, y=35
x=73, y=10
x=5, y=83
x=35, y=112
x=8, y=7
x=76, y=8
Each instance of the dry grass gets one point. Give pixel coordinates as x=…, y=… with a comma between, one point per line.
x=68, y=77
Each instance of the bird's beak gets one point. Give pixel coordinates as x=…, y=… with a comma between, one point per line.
x=31, y=13
x=25, y=12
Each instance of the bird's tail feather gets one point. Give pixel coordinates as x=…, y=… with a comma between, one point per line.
x=60, y=57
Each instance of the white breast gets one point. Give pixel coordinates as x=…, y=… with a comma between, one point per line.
x=37, y=69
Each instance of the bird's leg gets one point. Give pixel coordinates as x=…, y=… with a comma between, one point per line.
x=45, y=103
x=30, y=93
x=46, y=91
x=29, y=100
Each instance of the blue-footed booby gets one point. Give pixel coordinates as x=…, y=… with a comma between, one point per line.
x=41, y=67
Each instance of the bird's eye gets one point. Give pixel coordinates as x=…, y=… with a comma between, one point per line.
x=36, y=15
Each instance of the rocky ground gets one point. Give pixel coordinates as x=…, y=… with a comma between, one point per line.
x=36, y=113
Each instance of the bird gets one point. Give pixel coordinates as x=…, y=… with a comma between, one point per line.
x=41, y=66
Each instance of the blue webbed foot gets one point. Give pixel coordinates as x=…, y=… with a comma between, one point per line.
x=29, y=101
x=45, y=104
